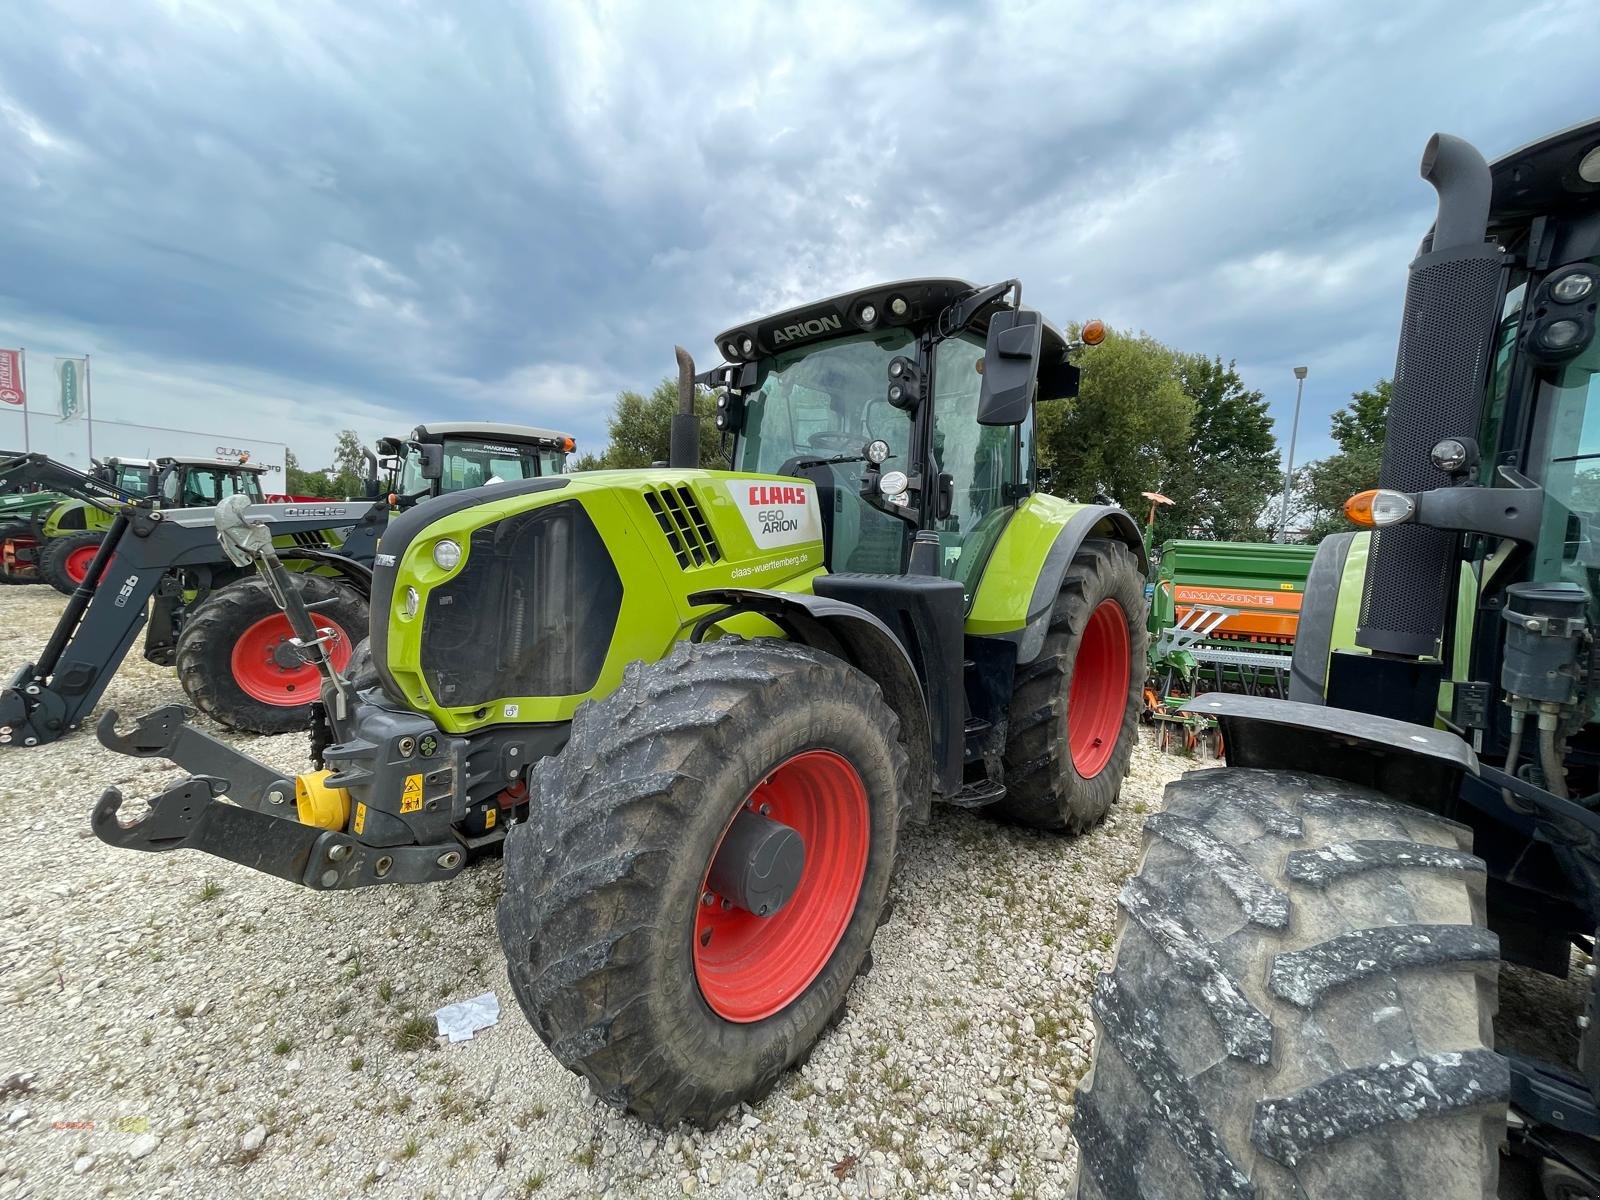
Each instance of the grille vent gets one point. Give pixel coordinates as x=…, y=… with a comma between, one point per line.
x=680, y=518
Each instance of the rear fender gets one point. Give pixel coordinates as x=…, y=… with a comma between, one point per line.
x=858, y=637
x=1023, y=576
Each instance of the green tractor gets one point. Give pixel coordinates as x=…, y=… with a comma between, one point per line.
x=1303, y=998
x=40, y=509
x=70, y=534
x=695, y=709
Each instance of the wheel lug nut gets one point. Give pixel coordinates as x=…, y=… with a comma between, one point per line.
x=707, y=897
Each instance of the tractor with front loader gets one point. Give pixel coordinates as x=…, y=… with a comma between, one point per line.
x=1303, y=998
x=695, y=709
x=159, y=567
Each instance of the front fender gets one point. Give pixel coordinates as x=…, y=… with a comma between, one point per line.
x=866, y=643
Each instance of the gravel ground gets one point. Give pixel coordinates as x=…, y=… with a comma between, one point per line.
x=174, y=1026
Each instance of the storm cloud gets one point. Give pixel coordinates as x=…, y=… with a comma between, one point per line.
x=279, y=219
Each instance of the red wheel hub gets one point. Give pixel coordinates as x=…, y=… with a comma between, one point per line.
x=78, y=562
x=269, y=669
x=1097, y=701
x=751, y=967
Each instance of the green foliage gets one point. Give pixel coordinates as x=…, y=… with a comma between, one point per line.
x=1230, y=468
x=1129, y=423
x=348, y=470
x=1322, y=487
x=640, y=428
x=300, y=482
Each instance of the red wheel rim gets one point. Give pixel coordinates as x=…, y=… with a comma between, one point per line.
x=751, y=967
x=261, y=654
x=1098, y=698
x=78, y=562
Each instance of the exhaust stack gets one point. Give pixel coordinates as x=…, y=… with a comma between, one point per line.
x=684, y=444
x=1446, y=332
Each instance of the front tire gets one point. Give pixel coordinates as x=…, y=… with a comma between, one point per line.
x=1074, y=712
x=235, y=663
x=64, y=561
x=1301, y=1004
x=674, y=1007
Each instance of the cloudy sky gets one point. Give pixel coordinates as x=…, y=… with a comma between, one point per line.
x=276, y=219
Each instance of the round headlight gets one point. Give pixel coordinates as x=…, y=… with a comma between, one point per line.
x=1558, y=335
x=1450, y=455
x=896, y=393
x=897, y=368
x=413, y=602
x=446, y=554
x=729, y=350
x=1571, y=288
x=747, y=346
x=898, y=306
x=868, y=314
x=893, y=483
x=877, y=450
x=1589, y=167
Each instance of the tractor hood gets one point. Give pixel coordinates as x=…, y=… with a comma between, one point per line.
x=518, y=601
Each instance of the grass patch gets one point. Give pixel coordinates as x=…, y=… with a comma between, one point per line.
x=357, y=1063
x=531, y=1183
x=415, y=1033
x=411, y=1149
x=282, y=1046
x=210, y=890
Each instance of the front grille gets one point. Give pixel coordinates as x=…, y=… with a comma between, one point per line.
x=680, y=518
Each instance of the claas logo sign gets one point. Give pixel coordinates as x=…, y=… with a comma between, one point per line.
x=766, y=493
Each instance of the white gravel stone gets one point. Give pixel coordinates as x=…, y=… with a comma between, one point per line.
x=994, y=928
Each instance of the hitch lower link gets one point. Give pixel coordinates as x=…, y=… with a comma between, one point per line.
x=259, y=828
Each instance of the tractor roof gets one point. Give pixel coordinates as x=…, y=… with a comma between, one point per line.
x=844, y=314
x=184, y=460
x=123, y=460
x=490, y=430
x=1542, y=177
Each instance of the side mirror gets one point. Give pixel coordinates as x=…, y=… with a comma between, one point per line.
x=1010, y=367
x=432, y=464
x=388, y=447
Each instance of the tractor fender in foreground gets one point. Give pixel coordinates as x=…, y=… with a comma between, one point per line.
x=1396, y=757
x=862, y=640
x=1031, y=560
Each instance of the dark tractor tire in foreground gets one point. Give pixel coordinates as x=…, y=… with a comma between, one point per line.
x=64, y=561
x=20, y=534
x=1074, y=713
x=1301, y=1004
x=630, y=966
x=235, y=662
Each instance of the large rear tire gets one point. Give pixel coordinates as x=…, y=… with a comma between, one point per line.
x=64, y=562
x=673, y=1006
x=1074, y=713
x=1301, y=1004
x=235, y=663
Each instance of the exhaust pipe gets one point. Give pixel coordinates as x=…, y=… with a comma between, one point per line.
x=683, y=449
x=1446, y=334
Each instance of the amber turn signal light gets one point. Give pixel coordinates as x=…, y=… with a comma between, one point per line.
x=1377, y=507
x=1094, y=332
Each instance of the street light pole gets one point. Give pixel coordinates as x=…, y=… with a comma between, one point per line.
x=1288, y=471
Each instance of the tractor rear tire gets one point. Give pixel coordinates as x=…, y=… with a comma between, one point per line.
x=64, y=561
x=234, y=662
x=1301, y=1003
x=1074, y=714
x=632, y=970
x=22, y=533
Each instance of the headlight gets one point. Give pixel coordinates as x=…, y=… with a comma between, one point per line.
x=1571, y=288
x=412, y=603
x=1558, y=335
x=877, y=451
x=446, y=554
x=1450, y=455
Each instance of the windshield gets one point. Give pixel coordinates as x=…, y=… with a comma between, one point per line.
x=470, y=463
x=825, y=400
x=133, y=480
x=201, y=487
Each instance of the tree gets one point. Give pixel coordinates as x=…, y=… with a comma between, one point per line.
x=1322, y=487
x=300, y=482
x=1230, y=466
x=640, y=429
x=349, y=464
x=1129, y=424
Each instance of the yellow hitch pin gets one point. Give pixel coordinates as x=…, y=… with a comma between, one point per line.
x=318, y=804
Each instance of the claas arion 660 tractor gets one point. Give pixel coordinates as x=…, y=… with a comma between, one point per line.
x=697, y=706
x=1303, y=1001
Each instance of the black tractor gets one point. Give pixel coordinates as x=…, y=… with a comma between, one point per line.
x=1303, y=1001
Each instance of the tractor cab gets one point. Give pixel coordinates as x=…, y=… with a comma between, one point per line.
x=136, y=476
x=451, y=456
x=205, y=482
x=881, y=398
